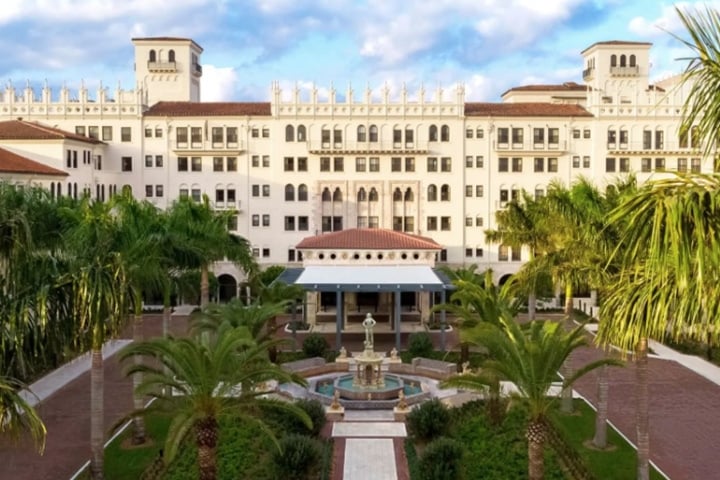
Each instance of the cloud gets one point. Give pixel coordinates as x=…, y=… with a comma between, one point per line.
x=218, y=83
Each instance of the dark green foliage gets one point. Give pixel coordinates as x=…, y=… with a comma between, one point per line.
x=429, y=421
x=442, y=460
x=315, y=345
x=420, y=345
x=285, y=422
x=298, y=459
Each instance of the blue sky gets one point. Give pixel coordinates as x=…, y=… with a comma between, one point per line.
x=487, y=45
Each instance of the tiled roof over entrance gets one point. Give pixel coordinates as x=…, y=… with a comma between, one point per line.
x=13, y=163
x=24, y=130
x=368, y=239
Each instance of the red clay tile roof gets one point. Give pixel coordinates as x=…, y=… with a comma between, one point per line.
x=13, y=163
x=616, y=42
x=23, y=130
x=524, y=109
x=564, y=87
x=202, y=109
x=368, y=239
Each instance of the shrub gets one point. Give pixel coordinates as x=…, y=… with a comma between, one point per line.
x=429, y=421
x=297, y=458
x=420, y=345
x=315, y=345
x=442, y=459
x=284, y=421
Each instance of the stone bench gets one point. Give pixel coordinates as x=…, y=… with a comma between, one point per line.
x=426, y=367
x=310, y=367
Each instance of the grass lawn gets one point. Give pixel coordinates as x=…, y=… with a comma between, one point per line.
x=618, y=463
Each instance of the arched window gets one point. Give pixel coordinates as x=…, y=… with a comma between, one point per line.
x=361, y=134
x=433, y=133
x=301, y=133
x=289, y=133
x=373, y=133
x=445, y=193
x=445, y=133
x=373, y=196
x=397, y=195
x=52, y=189
x=337, y=195
x=613, y=60
x=361, y=195
x=152, y=56
x=171, y=56
x=432, y=193
x=302, y=193
x=633, y=61
x=623, y=61
x=409, y=195
x=289, y=193
x=326, y=195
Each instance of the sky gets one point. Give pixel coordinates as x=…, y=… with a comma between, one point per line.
x=488, y=46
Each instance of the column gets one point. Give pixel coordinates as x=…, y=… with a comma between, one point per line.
x=398, y=325
x=311, y=306
x=424, y=307
x=443, y=322
x=350, y=305
x=338, y=319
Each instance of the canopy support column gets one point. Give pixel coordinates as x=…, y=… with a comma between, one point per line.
x=398, y=326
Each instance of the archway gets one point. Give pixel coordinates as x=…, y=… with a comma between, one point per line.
x=504, y=279
x=227, y=288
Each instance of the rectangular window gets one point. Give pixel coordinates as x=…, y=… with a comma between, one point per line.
x=75, y=163
x=232, y=223
x=266, y=190
x=291, y=255
x=479, y=190
x=586, y=133
x=659, y=140
x=196, y=164
x=538, y=136
x=469, y=161
x=610, y=164
x=468, y=221
x=468, y=133
x=645, y=164
x=695, y=165
x=502, y=136
x=624, y=165
x=479, y=161
x=158, y=160
x=647, y=140
x=303, y=223
x=324, y=164
x=289, y=223
x=107, y=134
x=288, y=164
x=432, y=164
x=182, y=164
x=576, y=162
x=159, y=191
x=611, y=137
x=539, y=193
x=360, y=164
x=576, y=133
x=266, y=220
x=231, y=164
x=432, y=224
x=517, y=164
x=302, y=164
x=395, y=164
x=255, y=190
x=446, y=164
x=479, y=133
x=80, y=130
x=682, y=165
x=126, y=164
x=659, y=164
x=231, y=135
x=503, y=253
x=255, y=220
x=409, y=164
x=220, y=195
x=397, y=223
x=217, y=136
x=468, y=252
x=445, y=223
x=149, y=191
x=93, y=132
x=255, y=161
x=266, y=161
x=362, y=222
x=158, y=132
x=479, y=222
x=586, y=162
x=325, y=138
x=265, y=132
x=516, y=254
x=479, y=252
x=623, y=137
x=504, y=197
x=125, y=134
x=218, y=164
x=539, y=164
x=553, y=136
x=503, y=164
x=552, y=165
x=374, y=164
x=148, y=132
x=468, y=190
x=230, y=195
x=339, y=164
x=181, y=136
x=195, y=194
x=255, y=132
x=148, y=160
x=517, y=136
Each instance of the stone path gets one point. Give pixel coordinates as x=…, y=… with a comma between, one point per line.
x=369, y=445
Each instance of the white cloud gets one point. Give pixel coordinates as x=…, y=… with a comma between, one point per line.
x=218, y=83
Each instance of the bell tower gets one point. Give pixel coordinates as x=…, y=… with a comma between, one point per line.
x=168, y=69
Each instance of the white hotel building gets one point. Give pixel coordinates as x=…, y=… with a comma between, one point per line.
x=437, y=166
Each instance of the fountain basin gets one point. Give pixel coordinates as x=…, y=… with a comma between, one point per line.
x=355, y=396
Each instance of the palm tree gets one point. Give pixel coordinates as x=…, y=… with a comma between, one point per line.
x=254, y=317
x=529, y=356
x=97, y=277
x=203, y=375
x=667, y=286
x=17, y=415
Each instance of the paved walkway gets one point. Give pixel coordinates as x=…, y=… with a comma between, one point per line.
x=369, y=445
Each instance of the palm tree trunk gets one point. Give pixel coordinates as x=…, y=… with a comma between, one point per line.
x=566, y=402
x=600, y=438
x=96, y=414
x=206, y=437
x=532, y=306
x=642, y=411
x=536, y=460
x=204, y=286
x=167, y=310
x=138, y=423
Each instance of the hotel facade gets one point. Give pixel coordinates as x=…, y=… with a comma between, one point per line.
x=425, y=163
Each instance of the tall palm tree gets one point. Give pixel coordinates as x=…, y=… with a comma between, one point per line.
x=669, y=251
x=203, y=374
x=97, y=277
x=529, y=356
x=236, y=314
x=17, y=415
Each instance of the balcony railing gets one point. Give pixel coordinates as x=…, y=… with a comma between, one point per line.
x=197, y=69
x=367, y=147
x=162, y=66
x=588, y=73
x=625, y=71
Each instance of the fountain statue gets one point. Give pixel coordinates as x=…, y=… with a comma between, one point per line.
x=368, y=372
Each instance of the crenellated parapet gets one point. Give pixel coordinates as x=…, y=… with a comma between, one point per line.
x=30, y=103
x=377, y=104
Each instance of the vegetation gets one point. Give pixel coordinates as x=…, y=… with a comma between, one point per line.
x=297, y=457
x=315, y=345
x=17, y=415
x=420, y=345
x=428, y=421
x=442, y=459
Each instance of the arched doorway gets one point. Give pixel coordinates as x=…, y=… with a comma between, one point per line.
x=504, y=279
x=227, y=288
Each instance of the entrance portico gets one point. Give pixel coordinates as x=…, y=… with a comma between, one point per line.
x=350, y=273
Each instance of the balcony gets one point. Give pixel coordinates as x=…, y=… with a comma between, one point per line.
x=197, y=69
x=588, y=73
x=625, y=71
x=162, y=67
x=367, y=148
